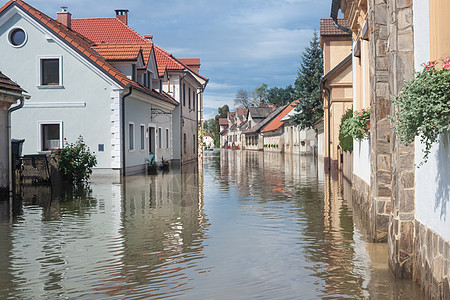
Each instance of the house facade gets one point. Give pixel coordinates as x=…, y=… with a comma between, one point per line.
x=114, y=105
x=337, y=84
x=403, y=204
x=258, y=118
x=298, y=141
x=10, y=93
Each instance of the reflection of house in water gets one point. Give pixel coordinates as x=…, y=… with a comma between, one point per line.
x=162, y=228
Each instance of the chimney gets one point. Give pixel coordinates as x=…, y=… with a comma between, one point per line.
x=122, y=15
x=64, y=17
x=272, y=106
x=149, y=37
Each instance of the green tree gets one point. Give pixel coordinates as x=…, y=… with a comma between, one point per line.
x=222, y=113
x=280, y=96
x=260, y=95
x=307, y=85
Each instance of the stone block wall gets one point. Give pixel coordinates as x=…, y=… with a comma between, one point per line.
x=432, y=263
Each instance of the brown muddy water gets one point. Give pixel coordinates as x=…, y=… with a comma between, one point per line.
x=245, y=225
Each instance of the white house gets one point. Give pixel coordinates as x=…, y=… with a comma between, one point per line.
x=76, y=91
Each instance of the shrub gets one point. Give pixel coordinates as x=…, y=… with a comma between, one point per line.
x=345, y=137
x=75, y=161
x=422, y=108
x=357, y=124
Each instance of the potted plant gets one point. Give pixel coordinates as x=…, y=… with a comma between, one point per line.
x=345, y=137
x=422, y=108
x=359, y=124
x=164, y=164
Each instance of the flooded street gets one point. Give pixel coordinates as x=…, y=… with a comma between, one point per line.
x=246, y=225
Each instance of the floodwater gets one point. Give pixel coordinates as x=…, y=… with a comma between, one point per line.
x=245, y=225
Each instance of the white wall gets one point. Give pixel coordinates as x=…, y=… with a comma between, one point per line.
x=4, y=153
x=91, y=116
x=361, y=159
x=432, y=180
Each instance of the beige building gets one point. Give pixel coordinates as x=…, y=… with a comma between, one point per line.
x=337, y=86
x=400, y=203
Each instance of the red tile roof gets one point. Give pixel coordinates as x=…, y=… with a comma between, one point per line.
x=223, y=121
x=327, y=27
x=121, y=51
x=190, y=61
x=116, y=31
x=83, y=46
x=276, y=122
x=242, y=112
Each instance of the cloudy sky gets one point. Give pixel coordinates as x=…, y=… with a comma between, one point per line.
x=241, y=43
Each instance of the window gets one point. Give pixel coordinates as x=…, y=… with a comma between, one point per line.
x=184, y=143
x=189, y=94
x=193, y=143
x=17, y=37
x=50, y=71
x=160, y=138
x=50, y=136
x=142, y=137
x=131, y=136
x=193, y=100
x=133, y=72
x=167, y=138
x=184, y=94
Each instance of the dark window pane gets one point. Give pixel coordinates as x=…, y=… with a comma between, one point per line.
x=50, y=71
x=50, y=136
x=17, y=37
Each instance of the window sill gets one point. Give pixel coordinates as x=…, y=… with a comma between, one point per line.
x=44, y=87
x=131, y=150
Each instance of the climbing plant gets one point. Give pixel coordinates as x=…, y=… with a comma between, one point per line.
x=345, y=137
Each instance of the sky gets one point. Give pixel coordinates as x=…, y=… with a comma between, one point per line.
x=241, y=43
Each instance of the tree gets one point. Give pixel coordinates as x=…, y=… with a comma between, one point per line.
x=209, y=125
x=307, y=85
x=222, y=113
x=243, y=99
x=260, y=95
x=280, y=96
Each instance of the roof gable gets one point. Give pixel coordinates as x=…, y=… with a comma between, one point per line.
x=277, y=121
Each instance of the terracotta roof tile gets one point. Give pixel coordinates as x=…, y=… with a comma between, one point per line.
x=327, y=27
x=223, y=121
x=9, y=85
x=276, y=122
x=84, y=46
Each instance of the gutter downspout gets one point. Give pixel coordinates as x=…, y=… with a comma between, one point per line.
x=123, y=130
x=12, y=109
x=323, y=87
x=335, y=6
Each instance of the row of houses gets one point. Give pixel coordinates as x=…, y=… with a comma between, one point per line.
x=267, y=128
x=368, y=56
x=98, y=78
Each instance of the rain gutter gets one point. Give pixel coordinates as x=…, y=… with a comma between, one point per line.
x=335, y=6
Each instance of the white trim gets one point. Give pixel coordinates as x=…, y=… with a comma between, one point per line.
x=134, y=137
x=55, y=105
x=39, y=71
x=9, y=37
x=39, y=133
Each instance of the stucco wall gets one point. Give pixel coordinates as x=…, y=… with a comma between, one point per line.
x=361, y=159
x=91, y=114
x=3, y=148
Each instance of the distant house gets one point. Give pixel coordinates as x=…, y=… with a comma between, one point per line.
x=10, y=93
x=208, y=140
x=223, y=131
x=237, y=120
x=258, y=118
x=297, y=140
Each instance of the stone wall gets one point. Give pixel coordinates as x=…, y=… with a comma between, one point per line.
x=432, y=263
x=361, y=200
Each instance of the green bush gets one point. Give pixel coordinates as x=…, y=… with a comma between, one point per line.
x=75, y=161
x=357, y=124
x=345, y=137
x=423, y=107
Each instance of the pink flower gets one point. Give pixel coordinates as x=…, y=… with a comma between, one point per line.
x=360, y=114
x=446, y=64
x=430, y=65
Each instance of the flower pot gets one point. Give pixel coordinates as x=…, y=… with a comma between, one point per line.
x=368, y=125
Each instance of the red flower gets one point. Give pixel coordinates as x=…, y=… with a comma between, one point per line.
x=430, y=65
x=446, y=64
x=360, y=114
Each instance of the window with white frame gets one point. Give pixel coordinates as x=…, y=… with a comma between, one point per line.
x=160, y=137
x=50, y=135
x=131, y=136
x=167, y=138
x=50, y=71
x=142, y=137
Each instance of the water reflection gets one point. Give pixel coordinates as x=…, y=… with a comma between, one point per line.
x=243, y=225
